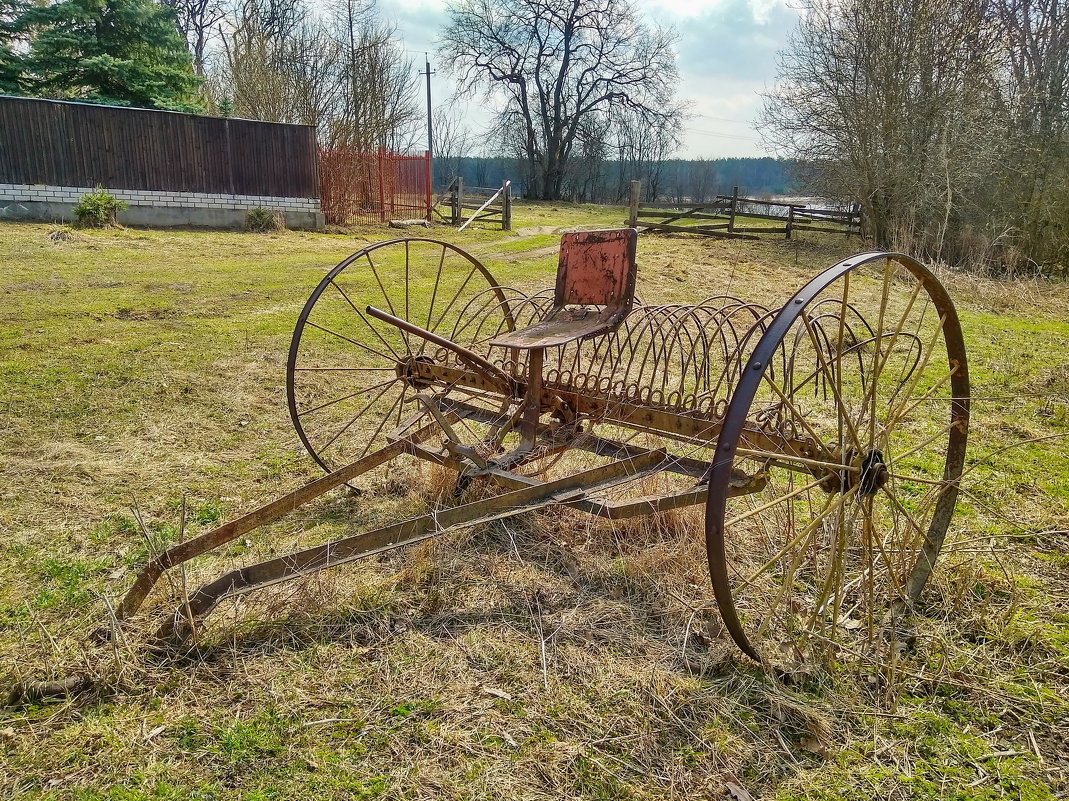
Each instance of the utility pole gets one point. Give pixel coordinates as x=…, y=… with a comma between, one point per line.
x=430, y=130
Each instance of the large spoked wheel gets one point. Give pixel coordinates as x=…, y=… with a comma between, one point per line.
x=854, y=407
x=352, y=379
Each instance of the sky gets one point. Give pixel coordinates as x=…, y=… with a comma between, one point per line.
x=726, y=57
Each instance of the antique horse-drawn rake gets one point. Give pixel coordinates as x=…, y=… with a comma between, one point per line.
x=825, y=437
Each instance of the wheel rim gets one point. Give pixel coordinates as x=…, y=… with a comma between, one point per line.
x=346, y=382
x=867, y=362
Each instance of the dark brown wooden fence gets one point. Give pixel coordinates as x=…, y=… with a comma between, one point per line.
x=79, y=144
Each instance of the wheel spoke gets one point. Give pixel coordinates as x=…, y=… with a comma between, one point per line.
x=348, y=339
x=763, y=507
x=900, y=413
x=843, y=416
x=454, y=299
x=788, y=457
x=363, y=391
x=919, y=370
x=345, y=369
x=354, y=418
x=830, y=505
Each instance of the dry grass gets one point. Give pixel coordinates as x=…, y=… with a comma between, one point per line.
x=548, y=656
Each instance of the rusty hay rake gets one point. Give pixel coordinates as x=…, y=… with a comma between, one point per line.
x=825, y=437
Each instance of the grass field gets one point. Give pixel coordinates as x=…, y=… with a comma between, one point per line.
x=549, y=657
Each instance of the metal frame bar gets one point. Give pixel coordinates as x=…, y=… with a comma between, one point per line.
x=338, y=552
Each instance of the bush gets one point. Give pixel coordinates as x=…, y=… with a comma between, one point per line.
x=98, y=209
x=261, y=220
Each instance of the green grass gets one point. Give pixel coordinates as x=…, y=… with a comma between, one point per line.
x=141, y=368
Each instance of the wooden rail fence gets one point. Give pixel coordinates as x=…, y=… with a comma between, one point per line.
x=485, y=204
x=729, y=217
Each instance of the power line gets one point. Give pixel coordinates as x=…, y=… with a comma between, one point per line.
x=721, y=119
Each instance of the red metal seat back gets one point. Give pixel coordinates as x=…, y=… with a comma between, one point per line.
x=597, y=268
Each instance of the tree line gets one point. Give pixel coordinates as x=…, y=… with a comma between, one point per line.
x=678, y=180
x=948, y=120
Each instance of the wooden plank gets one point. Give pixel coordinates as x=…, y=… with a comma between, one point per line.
x=758, y=201
x=78, y=144
x=809, y=228
x=743, y=215
x=694, y=229
x=675, y=206
x=756, y=229
x=695, y=215
x=709, y=226
x=847, y=219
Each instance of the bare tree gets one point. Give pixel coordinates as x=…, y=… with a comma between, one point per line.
x=1034, y=35
x=379, y=84
x=643, y=143
x=584, y=182
x=342, y=73
x=452, y=141
x=702, y=180
x=890, y=103
x=556, y=63
x=197, y=21
x=278, y=64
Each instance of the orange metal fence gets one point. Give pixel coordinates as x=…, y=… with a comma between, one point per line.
x=366, y=188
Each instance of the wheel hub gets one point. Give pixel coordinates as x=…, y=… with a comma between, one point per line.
x=873, y=473
x=409, y=373
x=867, y=472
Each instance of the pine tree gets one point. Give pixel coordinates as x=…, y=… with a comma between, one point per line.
x=11, y=67
x=121, y=52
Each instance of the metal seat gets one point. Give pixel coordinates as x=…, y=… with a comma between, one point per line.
x=595, y=290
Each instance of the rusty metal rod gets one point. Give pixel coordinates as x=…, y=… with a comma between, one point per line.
x=349, y=549
x=501, y=380
x=154, y=570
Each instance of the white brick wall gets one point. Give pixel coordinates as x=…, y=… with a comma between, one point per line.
x=137, y=197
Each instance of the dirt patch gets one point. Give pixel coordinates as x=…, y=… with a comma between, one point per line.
x=527, y=255
x=555, y=229
x=143, y=314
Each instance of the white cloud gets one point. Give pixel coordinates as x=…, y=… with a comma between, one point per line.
x=761, y=10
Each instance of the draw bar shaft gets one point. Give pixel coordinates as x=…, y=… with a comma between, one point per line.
x=339, y=552
x=184, y=551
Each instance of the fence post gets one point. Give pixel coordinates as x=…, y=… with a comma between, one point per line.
x=632, y=208
x=429, y=190
x=458, y=214
x=790, y=221
x=506, y=206
x=734, y=207
x=382, y=188
x=229, y=156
